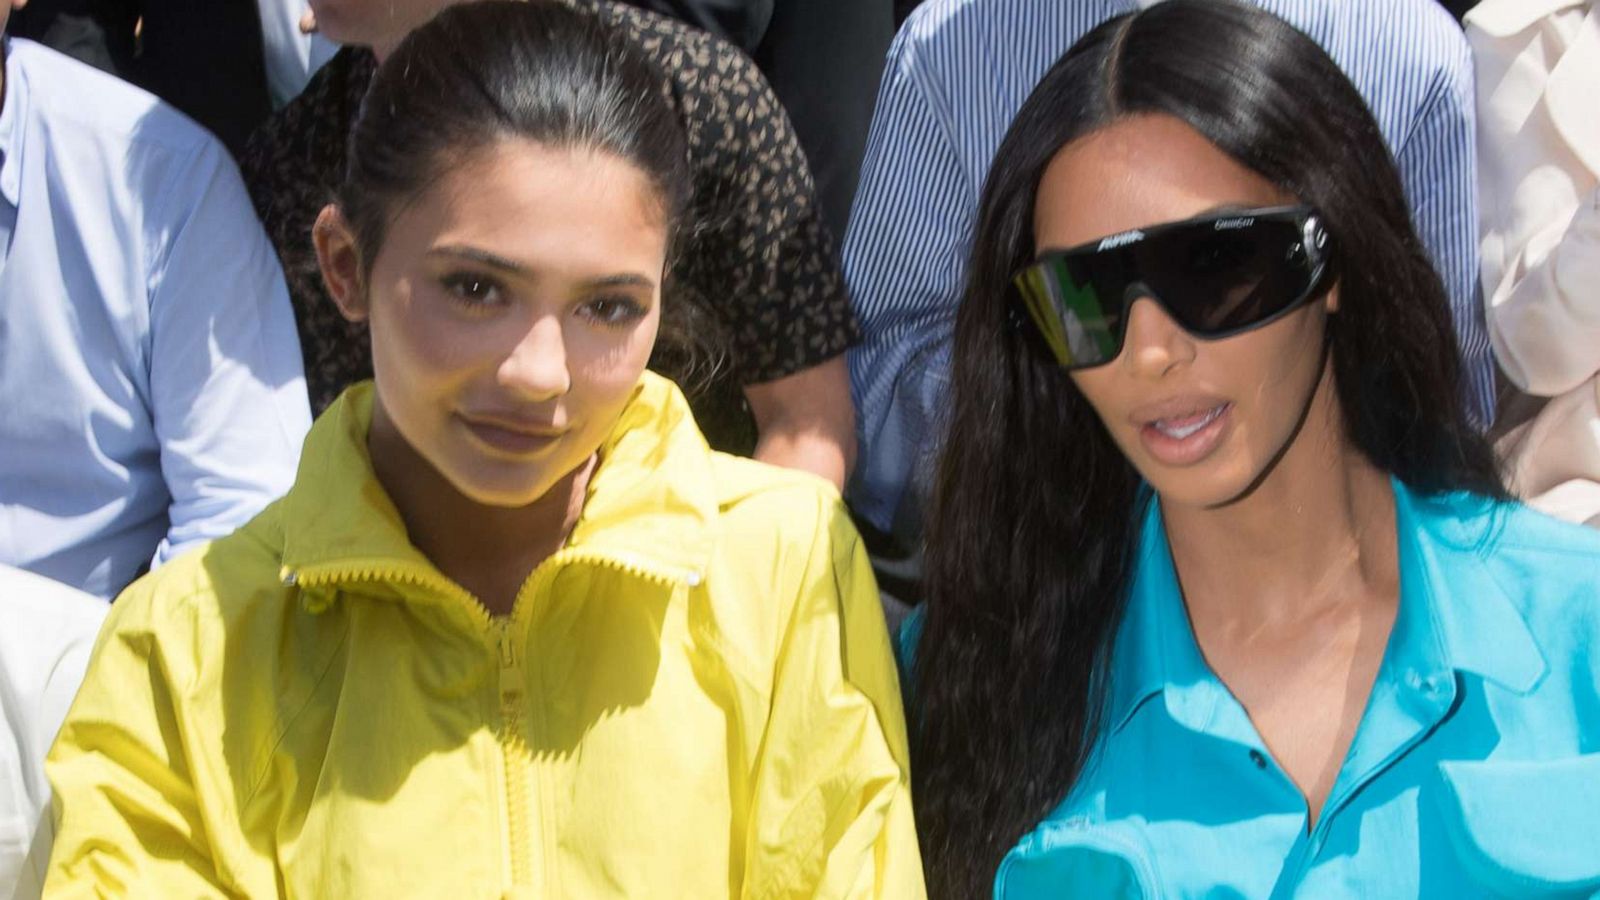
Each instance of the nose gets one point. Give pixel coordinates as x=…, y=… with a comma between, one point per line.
x=537, y=365
x=1154, y=344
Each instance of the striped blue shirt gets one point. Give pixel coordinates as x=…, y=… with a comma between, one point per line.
x=956, y=75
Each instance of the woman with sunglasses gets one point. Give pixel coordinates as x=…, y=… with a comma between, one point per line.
x=515, y=630
x=1226, y=598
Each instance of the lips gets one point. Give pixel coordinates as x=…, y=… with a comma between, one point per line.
x=1185, y=431
x=516, y=438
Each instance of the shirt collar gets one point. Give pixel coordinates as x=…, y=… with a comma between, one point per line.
x=1454, y=616
x=13, y=112
x=1461, y=611
x=1155, y=649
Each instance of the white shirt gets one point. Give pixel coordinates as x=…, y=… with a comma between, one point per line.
x=46, y=632
x=1538, y=78
x=291, y=57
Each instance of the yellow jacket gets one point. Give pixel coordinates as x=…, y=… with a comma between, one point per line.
x=694, y=698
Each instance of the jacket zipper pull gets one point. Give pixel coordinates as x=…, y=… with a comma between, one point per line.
x=510, y=666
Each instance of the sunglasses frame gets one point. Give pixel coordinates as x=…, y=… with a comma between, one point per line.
x=1314, y=240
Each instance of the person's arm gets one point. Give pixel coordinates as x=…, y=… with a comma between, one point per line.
x=831, y=817
x=227, y=393
x=904, y=261
x=805, y=421
x=762, y=262
x=1438, y=164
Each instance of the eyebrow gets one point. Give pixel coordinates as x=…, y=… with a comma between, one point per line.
x=495, y=261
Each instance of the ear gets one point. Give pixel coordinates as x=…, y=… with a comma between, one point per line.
x=340, y=261
x=1331, y=302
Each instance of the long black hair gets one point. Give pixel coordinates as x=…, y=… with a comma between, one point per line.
x=1036, y=511
x=482, y=72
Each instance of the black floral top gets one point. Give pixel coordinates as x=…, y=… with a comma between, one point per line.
x=756, y=287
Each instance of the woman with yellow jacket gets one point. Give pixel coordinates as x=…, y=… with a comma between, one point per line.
x=515, y=631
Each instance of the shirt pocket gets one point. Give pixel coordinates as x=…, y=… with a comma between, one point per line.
x=1073, y=858
x=1526, y=828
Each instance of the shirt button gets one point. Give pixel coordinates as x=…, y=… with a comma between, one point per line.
x=1259, y=758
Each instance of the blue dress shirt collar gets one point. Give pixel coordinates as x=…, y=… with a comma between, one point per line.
x=1454, y=616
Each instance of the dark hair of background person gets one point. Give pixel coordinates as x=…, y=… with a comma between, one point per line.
x=1036, y=511
x=538, y=71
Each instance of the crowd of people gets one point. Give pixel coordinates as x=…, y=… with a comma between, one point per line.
x=586, y=448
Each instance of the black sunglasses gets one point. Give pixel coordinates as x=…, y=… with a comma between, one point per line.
x=1216, y=275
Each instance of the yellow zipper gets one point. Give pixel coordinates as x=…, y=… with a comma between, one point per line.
x=504, y=635
x=514, y=753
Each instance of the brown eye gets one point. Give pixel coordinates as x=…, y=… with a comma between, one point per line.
x=472, y=289
x=613, y=309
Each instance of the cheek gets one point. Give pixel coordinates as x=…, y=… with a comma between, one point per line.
x=1098, y=387
x=416, y=342
x=1286, y=363
x=608, y=362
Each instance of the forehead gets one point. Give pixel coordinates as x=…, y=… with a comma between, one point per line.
x=1137, y=172
x=546, y=207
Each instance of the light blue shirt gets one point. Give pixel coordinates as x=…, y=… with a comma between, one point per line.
x=1475, y=770
x=956, y=75
x=151, y=390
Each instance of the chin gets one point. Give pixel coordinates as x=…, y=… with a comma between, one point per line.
x=503, y=492
x=1205, y=486
x=509, y=498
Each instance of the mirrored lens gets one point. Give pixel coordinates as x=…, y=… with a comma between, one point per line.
x=1078, y=322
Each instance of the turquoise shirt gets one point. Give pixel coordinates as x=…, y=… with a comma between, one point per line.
x=1475, y=770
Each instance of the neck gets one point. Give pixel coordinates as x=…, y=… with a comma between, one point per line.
x=489, y=550
x=1317, y=531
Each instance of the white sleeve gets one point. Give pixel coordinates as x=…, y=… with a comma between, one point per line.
x=227, y=386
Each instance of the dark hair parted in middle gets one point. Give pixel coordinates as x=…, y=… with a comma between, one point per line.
x=1036, y=510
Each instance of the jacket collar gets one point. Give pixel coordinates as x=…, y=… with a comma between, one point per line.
x=1454, y=615
x=651, y=503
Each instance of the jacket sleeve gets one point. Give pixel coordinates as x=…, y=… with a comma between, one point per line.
x=832, y=809
x=128, y=814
